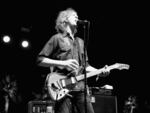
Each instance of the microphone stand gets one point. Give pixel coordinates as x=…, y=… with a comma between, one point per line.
x=84, y=60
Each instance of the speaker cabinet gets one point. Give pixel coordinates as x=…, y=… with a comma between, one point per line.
x=104, y=104
x=40, y=107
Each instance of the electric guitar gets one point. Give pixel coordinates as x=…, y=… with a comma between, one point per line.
x=57, y=83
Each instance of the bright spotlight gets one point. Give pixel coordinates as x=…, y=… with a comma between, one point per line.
x=25, y=44
x=6, y=39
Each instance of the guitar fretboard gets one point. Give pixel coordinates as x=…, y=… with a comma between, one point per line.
x=88, y=75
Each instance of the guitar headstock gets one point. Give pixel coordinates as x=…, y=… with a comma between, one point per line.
x=121, y=66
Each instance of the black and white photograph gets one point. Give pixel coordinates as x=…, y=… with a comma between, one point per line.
x=72, y=56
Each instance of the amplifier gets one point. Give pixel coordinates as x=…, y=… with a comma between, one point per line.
x=40, y=106
x=104, y=104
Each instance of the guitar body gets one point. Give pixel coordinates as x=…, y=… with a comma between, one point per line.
x=57, y=85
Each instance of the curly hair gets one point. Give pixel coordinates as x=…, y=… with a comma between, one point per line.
x=62, y=19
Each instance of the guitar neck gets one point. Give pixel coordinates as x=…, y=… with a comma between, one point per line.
x=93, y=73
x=88, y=75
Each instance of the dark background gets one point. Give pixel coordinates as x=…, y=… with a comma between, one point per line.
x=118, y=34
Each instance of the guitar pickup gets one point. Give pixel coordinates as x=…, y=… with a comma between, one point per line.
x=63, y=82
x=69, y=81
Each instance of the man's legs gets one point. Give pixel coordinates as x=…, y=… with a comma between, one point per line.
x=63, y=106
x=79, y=103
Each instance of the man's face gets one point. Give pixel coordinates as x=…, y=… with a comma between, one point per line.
x=73, y=18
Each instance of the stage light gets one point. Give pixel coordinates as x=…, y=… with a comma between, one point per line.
x=6, y=39
x=25, y=44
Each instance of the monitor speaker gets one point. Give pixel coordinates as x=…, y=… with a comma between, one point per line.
x=104, y=104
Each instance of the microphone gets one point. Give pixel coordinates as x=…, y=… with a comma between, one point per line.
x=82, y=21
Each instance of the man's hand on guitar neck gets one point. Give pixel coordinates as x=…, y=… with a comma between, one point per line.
x=105, y=72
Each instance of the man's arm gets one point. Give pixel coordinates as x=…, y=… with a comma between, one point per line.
x=90, y=68
x=47, y=62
